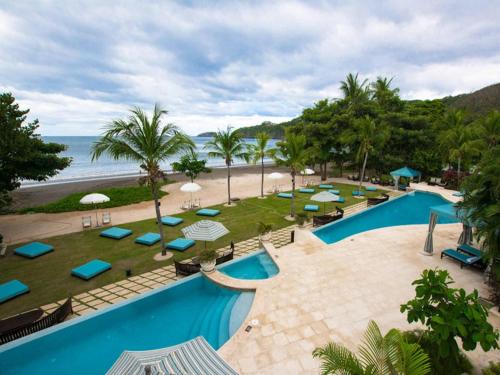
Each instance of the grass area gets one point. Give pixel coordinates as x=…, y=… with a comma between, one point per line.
x=49, y=275
x=118, y=197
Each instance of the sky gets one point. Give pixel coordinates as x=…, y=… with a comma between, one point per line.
x=80, y=64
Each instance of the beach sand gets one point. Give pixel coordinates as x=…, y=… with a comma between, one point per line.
x=245, y=182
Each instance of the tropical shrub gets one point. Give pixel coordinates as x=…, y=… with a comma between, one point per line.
x=263, y=228
x=492, y=369
x=301, y=218
x=207, y=255
x=448, y=314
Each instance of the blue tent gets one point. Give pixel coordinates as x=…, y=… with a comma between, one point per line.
x=406, y=172
x=449, y=211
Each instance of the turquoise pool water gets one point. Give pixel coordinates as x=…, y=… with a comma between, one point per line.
x=252, y=267
x=412, y=208
x=168, y=316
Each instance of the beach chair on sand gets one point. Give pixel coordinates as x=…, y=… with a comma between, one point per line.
x=106, y=218
x=87, y=221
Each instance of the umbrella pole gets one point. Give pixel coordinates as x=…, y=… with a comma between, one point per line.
x=324, y=208
x=96, y=217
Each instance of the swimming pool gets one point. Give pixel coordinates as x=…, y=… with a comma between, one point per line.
x=411, y=208
x=167, y=316
x=256, y=266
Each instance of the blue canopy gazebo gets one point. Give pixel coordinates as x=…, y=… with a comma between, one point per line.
x=454, y=213
x=406, y=172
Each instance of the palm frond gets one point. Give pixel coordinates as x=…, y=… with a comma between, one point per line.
x=336, y=359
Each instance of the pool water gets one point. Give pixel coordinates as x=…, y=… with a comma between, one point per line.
x=412, y=208
x=252, y=267
x=164, y=317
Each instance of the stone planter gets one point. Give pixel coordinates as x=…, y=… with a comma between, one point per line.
x=208, y=266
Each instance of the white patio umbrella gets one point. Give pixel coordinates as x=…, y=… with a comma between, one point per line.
x=191, y=188
x=307, y=172
x=324, y=197
x=95, y=199
x=275, y=176
x=205, y=230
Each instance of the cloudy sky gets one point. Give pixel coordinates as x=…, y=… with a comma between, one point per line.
x=79, y=64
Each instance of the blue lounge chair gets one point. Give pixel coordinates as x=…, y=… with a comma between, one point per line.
x=12, y=289
x=148, y=239
x=207, y=212
x=285, y=195
x=458, y=194
x=326, y=186
x=91, y=269
x=336, y=192
x=171, y=220
x=34, y=249
x=116, y=233
x=306, y=190
x=356, y=193
x=463, y=259
x=370, y=188
x=468, y=249
x=180, y=244
x=311, y=207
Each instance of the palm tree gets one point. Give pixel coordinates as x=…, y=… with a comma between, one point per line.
x=228, y=145
x=293, y=154
x=354, y=91
x=260, y=151
x=147, y=141
x=368, y=136
x=457, y=140
x=382, y=91
x=378, y=355
x=488, y=131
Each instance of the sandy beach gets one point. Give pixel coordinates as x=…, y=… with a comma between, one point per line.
x=245, y=183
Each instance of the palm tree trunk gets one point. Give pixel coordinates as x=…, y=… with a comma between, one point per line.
x=292, y=203
x=458, y=172
x=262, y=179
x=363, y=172
x=154, y=190
x=229, y=183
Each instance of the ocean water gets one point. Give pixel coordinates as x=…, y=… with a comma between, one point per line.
x=82, y=167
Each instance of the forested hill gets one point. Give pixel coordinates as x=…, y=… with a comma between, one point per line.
x=477, y=103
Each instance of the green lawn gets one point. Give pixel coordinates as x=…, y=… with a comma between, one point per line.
x=49, y=275
x=121, y=196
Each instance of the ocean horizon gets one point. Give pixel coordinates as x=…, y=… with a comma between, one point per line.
x=82, y=167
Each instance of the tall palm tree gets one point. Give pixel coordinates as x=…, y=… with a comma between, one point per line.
x=293, y=154
x=147, y=141
x=382, y=91
x=259, y=152
x=368, y=136
x=378, y=355
x=488, y=131
x=229, y=145
x=354, y=91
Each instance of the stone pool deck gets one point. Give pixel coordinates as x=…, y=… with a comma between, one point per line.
x=331, y=292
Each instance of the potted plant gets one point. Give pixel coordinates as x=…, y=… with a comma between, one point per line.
x=302, y=218
x=264, y=231
x=3, y=247
x=207, y=259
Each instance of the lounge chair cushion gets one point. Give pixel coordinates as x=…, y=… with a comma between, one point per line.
x=207, y=212
x=336, y=192
x=12, y=289
x=116, y=233
x=370, y=188
x=180, y=244
x=470, y=250
x=311, y=207
x=326, y=186
x=285, y=195
x=33, y=250
x=148, y=239
x=356, y=193
x=458, y=194
x=462, y=258
x=341, y=200
x=306, y=190
x=91, y=269
x=171, y=220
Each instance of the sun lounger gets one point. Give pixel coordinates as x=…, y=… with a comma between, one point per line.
x=458, y=194
x=325, y=219
x=311, y=207
x=285, y=195
x=306, y=190
x=207, y=212
x=86, y=221
x=326, y=186
x=375, y=201
x=463, y=259
x=370, y=188
x=106, y=218
x=91, y=269
x=148, y=239
x=336, y=192
x=341, y=200
x=357, y=193
x=116, y=233
x=12, y=289
x=468, y=249
x=180, y=244
x=33, y=250
x=171, y=220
